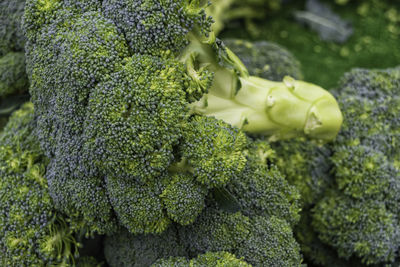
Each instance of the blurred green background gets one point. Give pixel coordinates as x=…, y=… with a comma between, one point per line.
x=374, y=44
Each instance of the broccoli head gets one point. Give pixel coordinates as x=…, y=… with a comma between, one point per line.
x=119, y=89
x=359, y=214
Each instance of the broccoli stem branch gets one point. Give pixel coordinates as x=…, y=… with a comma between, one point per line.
x=279, y=110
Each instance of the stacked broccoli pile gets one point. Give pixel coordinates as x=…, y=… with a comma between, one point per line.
x=142, y=129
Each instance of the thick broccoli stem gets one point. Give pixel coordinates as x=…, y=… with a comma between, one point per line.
x=280, y=110
x=276, y=109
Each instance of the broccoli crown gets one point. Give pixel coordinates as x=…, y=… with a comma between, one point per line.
x=33, y=232
x=265, y=60
x=11, y=34
x=12, y=74
x=114, y=121
x=359, y=214
x=314, y=250
x=217, y=259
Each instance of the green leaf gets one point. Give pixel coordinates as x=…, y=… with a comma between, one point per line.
x=226, y=200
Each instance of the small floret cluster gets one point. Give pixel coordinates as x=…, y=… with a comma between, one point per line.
x=33, y=233
x=350, y=187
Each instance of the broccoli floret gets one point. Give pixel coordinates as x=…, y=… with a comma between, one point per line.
x=33, y=232
x=306, y=165
x=266, y=60
x=13, y=77
x=359, y=214
x=156, y=27
x=367, y=228
x=262, y=190
x=116, y=87
x=183, y=199
x=261, y=241
x=314, y=250
x=11, y=33
x=125, y=249
x=260, y=231
x=214, y=150
x=217, y=259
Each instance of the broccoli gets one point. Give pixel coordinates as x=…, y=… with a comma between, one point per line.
x=266, y=60
x=119, y=89
x=217, y=259
x=349, y=187
x=358, y=215
x=33, y=232
x=251, y=217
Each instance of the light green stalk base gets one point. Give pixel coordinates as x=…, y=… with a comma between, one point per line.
x=279, y=110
